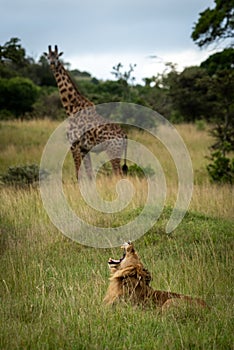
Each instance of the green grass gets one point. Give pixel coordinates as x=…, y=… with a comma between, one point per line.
x=52, y=289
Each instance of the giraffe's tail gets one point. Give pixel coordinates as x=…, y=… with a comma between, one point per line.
x=125, y=167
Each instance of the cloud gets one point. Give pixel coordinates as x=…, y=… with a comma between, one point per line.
x=100, y=65
x=97, y=31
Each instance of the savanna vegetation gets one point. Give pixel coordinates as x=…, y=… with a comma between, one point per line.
x=52, y=288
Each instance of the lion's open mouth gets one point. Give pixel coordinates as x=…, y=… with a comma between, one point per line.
x=118, y=261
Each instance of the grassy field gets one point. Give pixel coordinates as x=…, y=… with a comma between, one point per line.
x=52, y=288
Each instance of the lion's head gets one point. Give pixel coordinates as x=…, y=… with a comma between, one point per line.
x=129, y=258
x=129, y=278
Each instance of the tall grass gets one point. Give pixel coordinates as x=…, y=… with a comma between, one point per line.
x=52, y=288
x=23, y=143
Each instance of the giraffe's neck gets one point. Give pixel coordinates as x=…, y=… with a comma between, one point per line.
x=71, y=98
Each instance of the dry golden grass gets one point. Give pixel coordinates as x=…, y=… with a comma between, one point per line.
x=23, y=143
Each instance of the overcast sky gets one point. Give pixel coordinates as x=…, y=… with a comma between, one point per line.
x=95, y=35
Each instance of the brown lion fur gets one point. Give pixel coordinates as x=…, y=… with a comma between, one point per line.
x=130, y=281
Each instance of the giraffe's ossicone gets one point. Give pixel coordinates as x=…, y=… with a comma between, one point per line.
x=87, y=131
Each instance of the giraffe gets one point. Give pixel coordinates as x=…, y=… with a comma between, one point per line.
x=87, y=128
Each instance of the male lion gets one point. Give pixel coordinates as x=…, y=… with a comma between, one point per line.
x=130, y=280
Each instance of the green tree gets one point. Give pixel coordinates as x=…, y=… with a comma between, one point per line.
x=215, y=24
x=17, y=95
x=221, y=168
x=13, y=51
x=219, y=61
x=189, y=92
x=48, y=105
x=125, y=78
x=40, y=73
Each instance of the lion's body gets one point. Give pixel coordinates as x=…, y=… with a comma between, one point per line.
x=130, y=281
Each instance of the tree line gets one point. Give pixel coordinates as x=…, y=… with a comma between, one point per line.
x=205, y=92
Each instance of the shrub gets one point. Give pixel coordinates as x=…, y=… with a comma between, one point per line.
x=133, y=170
x=17, y=95
x=6, y=115
x=200, y=125
x=23, y=176
x=221, y=169
x=48, y=105
x=136, y=170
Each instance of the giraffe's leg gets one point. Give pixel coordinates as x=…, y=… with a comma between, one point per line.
x=87, y=164
x=76, y=154
x=116, y=166
x=114, y=152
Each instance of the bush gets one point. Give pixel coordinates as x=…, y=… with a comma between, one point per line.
x=200, y=125
x=48, y=105
x=6, y=115
x=136, y=170
x=17, y=95
x=221, y=169
x=133, y=170
x=23, y=176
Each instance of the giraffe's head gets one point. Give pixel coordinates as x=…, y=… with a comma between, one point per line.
x=53, y=56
